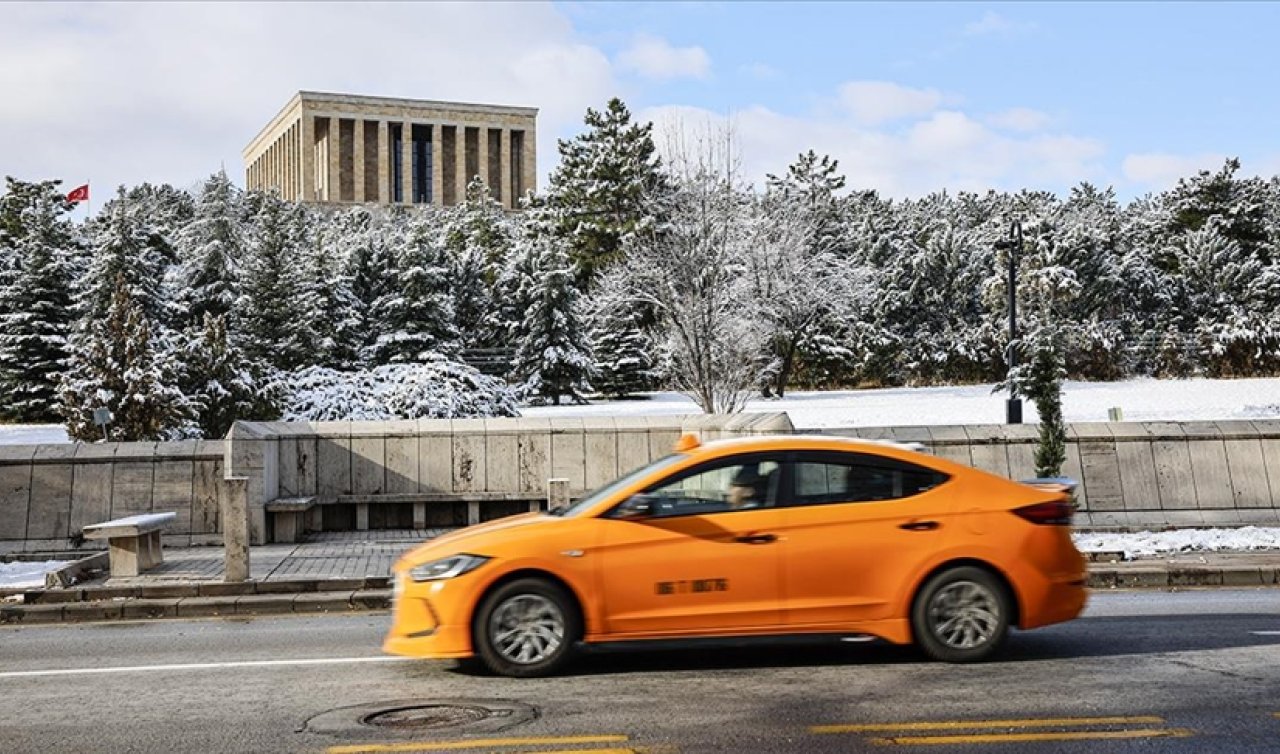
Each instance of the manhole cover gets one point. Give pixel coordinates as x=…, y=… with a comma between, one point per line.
x=428, y=716
x=408, y=717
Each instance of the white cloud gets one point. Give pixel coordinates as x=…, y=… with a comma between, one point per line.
x=1156, y=171
x=125, y=93
x=1020, y=119
x=873, y=102
x=655, y=58
x=946, y=149
x=994, y=23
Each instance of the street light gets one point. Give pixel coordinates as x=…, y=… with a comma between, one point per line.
x=1013, y=245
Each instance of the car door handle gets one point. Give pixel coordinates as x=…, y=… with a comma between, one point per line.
x=919, y=525
x=756, y=539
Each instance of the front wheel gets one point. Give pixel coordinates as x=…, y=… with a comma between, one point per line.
x=961, y=615
x=526, y=628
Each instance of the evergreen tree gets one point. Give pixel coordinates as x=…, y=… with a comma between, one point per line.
x=552, y=359
x=124, y=246
x=601, y=193
x=114, y=366
x=369, y=267
x=479, y=240
x=37, y=252
x=622, y=351
x=419, y=311
x=220, y=383
x=273, y=290
x=1239, y=204
x=211, y=248
x=331, y=310
x=1041, y=381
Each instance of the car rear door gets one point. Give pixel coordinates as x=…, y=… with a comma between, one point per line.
x=856, y=526
x=698, y=566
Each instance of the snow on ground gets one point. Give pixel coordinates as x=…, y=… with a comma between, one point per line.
x=1141, y=400
x=32, y=434
x=1147, y=543
x=20, y=575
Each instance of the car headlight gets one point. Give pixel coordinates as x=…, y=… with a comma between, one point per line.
x=447, y=568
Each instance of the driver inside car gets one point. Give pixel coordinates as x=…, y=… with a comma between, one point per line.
x=748, y=488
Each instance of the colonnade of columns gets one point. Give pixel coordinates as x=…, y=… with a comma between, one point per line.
x=396, y=162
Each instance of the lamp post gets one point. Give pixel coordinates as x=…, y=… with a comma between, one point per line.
x=1013, y=245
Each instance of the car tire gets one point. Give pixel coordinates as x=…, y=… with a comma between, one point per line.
x=526, y=628
x=961, y=615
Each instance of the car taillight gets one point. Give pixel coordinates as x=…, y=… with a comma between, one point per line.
x=1053, y=513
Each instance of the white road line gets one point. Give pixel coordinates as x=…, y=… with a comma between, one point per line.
x=1265, y=633
x=200, y=666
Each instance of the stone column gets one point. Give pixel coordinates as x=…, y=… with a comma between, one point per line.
x=437, y=165
x=384, y=162
x=528, y=163
x=482, y=156
x=308, y=158
x=460, y=163
x=335, y=157
x=357, y=164
x=505, y=167
x=406, y=162
x=235, y=527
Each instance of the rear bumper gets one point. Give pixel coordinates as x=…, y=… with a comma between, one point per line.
x=1055, y=600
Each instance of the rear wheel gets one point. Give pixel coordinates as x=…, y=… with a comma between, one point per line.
x=961, y=615
x=526, y=628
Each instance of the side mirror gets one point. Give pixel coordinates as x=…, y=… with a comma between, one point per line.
x=636, y=507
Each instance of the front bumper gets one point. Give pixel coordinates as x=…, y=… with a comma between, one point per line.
x=428, y=620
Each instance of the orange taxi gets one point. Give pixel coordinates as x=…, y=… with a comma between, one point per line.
x=751, y=537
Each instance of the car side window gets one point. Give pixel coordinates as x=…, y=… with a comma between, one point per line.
x=859, y=478
x=723, y=486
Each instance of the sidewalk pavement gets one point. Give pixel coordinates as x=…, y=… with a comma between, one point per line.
x=349, y=571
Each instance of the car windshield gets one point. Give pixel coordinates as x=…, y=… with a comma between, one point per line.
x=615, y=485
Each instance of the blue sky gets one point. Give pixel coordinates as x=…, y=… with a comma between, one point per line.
x=911, y=97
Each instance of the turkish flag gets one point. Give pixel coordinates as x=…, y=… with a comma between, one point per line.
x=79, y=194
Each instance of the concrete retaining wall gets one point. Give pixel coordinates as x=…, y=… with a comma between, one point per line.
x=493, y=459
x=1133, y=475
x=48, y=492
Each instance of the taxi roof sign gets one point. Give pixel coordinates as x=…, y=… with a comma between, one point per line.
x=688, y=441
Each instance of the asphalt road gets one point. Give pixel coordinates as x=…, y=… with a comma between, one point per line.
x=1194, y=671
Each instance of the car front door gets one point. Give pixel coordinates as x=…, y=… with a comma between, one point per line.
x=856, y=525
x=697, y=564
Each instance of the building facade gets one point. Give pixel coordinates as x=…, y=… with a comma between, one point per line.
x=382, y=150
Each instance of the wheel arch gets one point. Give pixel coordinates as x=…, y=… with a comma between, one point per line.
x=1014, y=620
x=526, y=573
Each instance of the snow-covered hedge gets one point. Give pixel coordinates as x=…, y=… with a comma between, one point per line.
x=438, y=389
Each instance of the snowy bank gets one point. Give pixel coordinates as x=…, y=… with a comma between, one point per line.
x=21, y=575
x=1148, y=543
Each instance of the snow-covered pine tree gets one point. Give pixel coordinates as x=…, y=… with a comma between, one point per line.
x=272, y=288
x=124, y=245
x=220, y=383
x=210, y=248
x=1041, y=381
x=552, y=356
x=114, y=366
x=419, y=311
x=621, y=349
x=479, y=240
x=1239, y=204
x=369, y=266
x=37, y=262
x=602, y=192
x=330, y=308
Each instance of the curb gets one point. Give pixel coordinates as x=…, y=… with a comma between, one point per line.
x=318, y=596
x=205, y=600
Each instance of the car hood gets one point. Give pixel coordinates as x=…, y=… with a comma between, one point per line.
x=472, y=539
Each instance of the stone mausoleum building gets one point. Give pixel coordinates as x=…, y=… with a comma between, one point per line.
x=383, y=150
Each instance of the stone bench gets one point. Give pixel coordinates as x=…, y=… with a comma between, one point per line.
x=420, y=501
x=289, y=516
x=133, y=542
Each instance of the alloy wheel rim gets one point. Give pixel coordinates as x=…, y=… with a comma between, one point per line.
x=964, y=615
x=527, y=629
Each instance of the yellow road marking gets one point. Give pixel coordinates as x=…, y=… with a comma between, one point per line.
x=968, y=724
x=999, y=738
x=478, y=743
